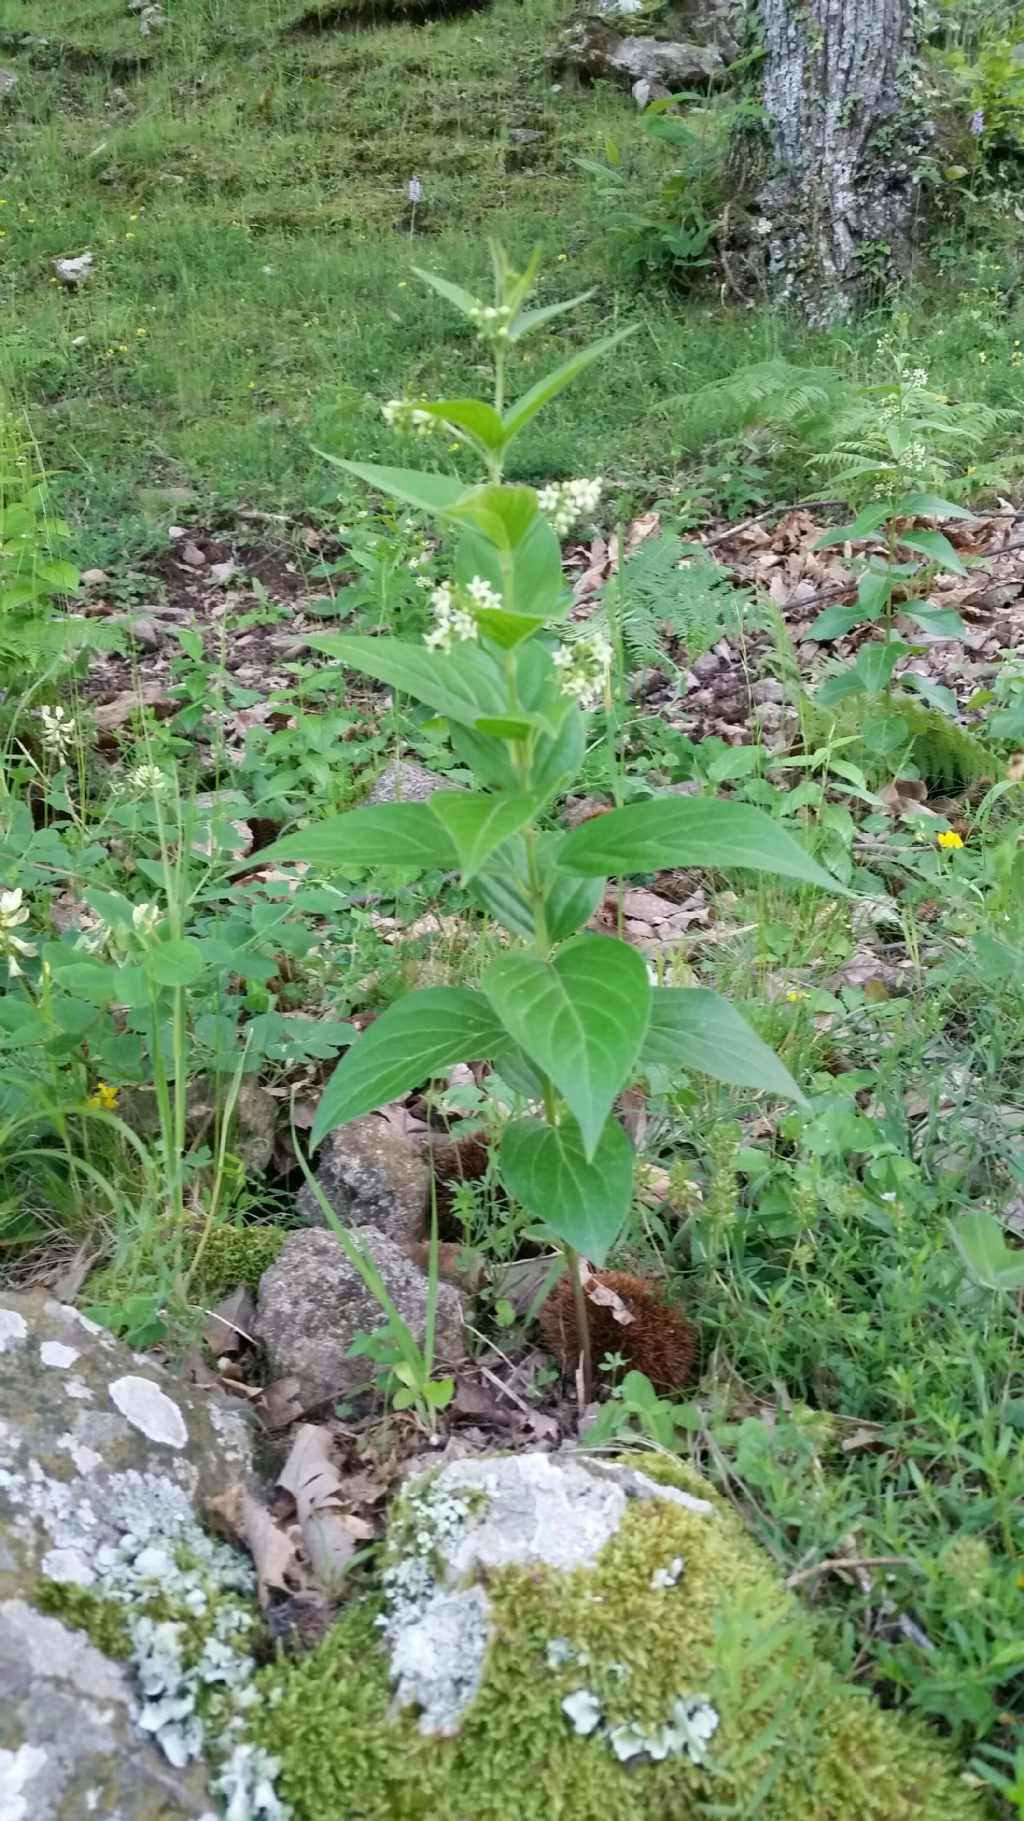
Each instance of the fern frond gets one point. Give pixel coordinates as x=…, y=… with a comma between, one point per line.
x=947, y=756
x=665, y=592
x=771, y=393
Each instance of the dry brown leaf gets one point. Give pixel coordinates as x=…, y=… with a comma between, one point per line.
x=282, y=1402
x=274, y=1550
x=229, y=1326
x=330, y=1534
x=603, y=1296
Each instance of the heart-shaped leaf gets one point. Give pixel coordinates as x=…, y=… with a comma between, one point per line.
x=413, y=1040
x=581, y=1018
x=981, y=1242
x=477, y=823
x=583, y=1202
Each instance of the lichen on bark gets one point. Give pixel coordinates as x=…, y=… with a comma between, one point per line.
x=848, y=132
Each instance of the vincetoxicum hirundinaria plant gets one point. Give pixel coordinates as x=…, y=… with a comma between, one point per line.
x=568, y=1018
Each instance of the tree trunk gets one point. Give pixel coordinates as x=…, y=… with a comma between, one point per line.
x=847, y=132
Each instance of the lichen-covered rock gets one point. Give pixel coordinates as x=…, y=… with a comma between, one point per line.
x=405, y=781
x=372, y=1177
x=93, y=1442
x=590, y=1640
x=313, y=1303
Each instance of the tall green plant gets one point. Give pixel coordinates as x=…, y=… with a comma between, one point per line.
x=569, y=1018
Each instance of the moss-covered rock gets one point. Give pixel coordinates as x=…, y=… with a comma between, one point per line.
x=666, y=1675
x=236, y=1255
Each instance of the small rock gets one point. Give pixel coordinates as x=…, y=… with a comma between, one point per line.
x=524, y=135
x=372, y=1177
x=221, y=573
x=146, y=634
x=406, y=781
x=706, y=665
x=73, y=270
x=768, y=689
x=8, y=82
x=94, y=578
x=590, y=49
x=313, y=1304
x=193, y=556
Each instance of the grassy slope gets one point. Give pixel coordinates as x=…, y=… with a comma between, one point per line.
x=241, y=180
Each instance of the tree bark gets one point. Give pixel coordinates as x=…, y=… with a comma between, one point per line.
x=840, y=207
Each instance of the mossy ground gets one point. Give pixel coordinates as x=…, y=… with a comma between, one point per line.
x=794, y=1743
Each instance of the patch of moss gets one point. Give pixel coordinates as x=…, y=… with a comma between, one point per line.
x=794, y=1743
x=236, y=1255
x=104, y=1621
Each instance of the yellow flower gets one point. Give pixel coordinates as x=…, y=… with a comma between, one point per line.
x=950, y=838
x=104, y=1100
x=795, y=996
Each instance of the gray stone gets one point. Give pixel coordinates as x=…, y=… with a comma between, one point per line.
x=255, y=1115
x=313, y=1303
x=473, y=1519
x=590, y=49
x=8, y=82
x=405, y=781
x=768, y=689
x=372, y=1177
x=87, y=1431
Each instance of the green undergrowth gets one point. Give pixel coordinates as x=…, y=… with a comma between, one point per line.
x=241, y=179
x=792, y=1740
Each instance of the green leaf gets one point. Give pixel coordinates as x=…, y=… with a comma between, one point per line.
x=838, y=687
x=581, y=1018
x=528, y=580
x=688, y=831
x=981, y=1242
x=936, y=546
x=935, y=693
x=526, y=408
x=928, y=505
x=178, y=962
x=864, y=525
x=585, y=1203
x=527, y=320
x=481, y=422
x=463, y=300
x=433, y=493
x=380, y=834
x=464, y=684
x=834, y=622
x=503, y=514
x=692, y=1027
x=876, y=663
x=414, y=1039
x=476, y=824
x=94, y=981
x=943, y=622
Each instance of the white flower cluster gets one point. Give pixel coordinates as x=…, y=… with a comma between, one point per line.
x=399, y=414
x=58, y=732
x=454, y=624
x=492, y=321
x=150, y=780
x=13, y=913
x=565, y=503
x=584, y=668
x=146, y=920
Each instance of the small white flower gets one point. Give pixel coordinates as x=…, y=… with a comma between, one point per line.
x=146, y=919
x=13, y=913
x=565, y=503
x=58, y=731
x=584, y=668
x=150, y=779
x=482, y=593
x=399, y=414
x=452, y=624
x=414, y=190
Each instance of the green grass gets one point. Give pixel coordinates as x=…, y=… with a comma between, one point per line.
x=241, y=183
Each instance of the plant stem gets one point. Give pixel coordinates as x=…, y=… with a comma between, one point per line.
x=572, y=1260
